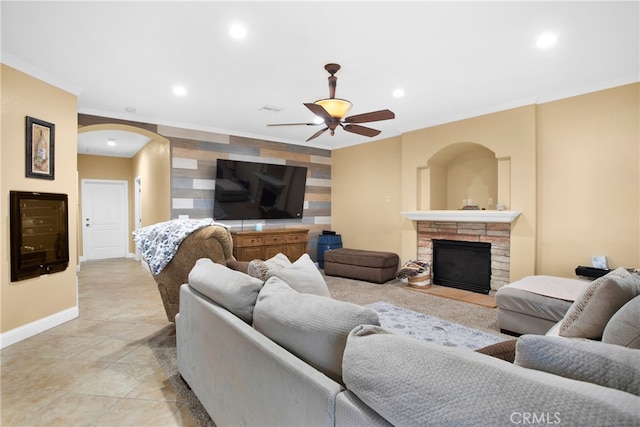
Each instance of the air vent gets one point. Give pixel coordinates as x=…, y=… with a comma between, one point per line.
x=271, y=108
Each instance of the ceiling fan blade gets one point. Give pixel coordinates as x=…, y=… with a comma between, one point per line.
x=318, y=110
x=317, y=134
x=295, y=124
x=373, y=116
x=361, y=130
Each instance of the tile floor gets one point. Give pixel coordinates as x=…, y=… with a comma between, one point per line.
x=95, y=370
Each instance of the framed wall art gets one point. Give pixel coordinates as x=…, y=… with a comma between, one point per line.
x=40, y=149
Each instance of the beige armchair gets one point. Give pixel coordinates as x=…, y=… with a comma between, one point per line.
x=213, y=242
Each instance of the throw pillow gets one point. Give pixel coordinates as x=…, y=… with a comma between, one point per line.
x=590, y=312
x=303, y=276
x=624, y=327
x=599, y=363
x=505, y=350
x=312, y=327
x=233, y=290
x=242, y=266
x=259, y=268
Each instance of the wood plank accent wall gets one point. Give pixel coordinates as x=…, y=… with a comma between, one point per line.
x=193, y=161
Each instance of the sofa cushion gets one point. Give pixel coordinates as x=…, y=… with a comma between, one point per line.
x=233, y=290
x=259, y=268
x=303, y=276
x=312, y=327
x=608, y=365
x=624, y=326
x=589, y=314
x=415, y=383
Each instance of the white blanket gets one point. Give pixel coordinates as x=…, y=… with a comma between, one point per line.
x=159, y=242
x=551, y=286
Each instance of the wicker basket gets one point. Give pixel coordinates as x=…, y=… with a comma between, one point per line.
x=422, y=280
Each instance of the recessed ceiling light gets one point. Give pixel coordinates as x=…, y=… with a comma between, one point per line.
x=546, y=40
x=111, y=142
x=398, y=93
x=130, y=109
x=238, y=31
x=179, y=90
x=318, y=120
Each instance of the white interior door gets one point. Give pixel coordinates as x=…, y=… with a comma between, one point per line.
x=104, y=219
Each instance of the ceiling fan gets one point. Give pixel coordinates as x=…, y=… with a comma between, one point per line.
x=332, y=111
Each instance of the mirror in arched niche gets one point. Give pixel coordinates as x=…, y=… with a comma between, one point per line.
x=459, y=175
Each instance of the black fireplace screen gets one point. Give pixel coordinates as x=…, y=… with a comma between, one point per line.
x=462, y=265
x=39, y=234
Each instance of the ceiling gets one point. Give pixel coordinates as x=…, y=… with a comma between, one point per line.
x=115, y=143
x=452, y=59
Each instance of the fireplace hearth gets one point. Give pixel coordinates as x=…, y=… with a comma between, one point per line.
x=462, y=265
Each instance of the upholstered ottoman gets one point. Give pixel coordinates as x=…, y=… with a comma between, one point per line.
x=370, y=266
x=534, y=304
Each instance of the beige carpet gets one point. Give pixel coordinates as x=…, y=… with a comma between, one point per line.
x=446, y=303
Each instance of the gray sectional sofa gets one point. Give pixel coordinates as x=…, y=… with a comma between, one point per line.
x=283, y=353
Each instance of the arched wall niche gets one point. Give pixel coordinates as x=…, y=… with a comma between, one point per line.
x=461, y=174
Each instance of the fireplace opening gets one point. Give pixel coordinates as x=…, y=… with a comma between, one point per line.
x=462, y=265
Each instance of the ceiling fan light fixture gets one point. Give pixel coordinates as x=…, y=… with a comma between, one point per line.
x=332, y=111
x=336, y=107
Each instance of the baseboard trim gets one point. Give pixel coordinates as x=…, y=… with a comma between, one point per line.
x=30, y=329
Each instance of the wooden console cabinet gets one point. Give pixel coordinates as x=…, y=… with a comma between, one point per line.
x=249, y=245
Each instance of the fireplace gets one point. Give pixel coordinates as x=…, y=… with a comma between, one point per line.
x=462, y=265
x=493, y=227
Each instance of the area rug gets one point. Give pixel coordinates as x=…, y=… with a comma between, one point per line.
x=432, y=329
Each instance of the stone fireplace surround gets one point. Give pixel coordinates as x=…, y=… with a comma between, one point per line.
x=470, y=226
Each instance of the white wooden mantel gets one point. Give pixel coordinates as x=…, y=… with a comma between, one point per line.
x=463, y=216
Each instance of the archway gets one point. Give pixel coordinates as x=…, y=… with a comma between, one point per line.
x=150, y=165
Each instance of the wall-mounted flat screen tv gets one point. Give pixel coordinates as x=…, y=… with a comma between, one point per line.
x=250, y=190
